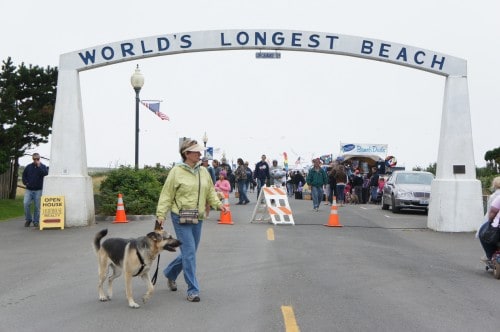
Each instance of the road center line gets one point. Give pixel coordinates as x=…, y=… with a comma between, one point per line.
x=270, y=234
x=289, y=319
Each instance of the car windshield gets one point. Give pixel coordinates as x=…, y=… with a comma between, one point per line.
x=414, y=178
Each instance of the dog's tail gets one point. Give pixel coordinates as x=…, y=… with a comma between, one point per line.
x=98, y=237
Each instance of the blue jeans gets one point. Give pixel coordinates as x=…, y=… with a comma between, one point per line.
x=260, y=183
x=32, y=196
x=317, y=196
x=374, y=193
x=340, y=193
x=242, y=190
x=189, y=235
x=332, y=192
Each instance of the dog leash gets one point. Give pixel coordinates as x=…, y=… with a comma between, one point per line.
x=153, y=280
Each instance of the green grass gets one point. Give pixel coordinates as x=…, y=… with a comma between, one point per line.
x=11, y=208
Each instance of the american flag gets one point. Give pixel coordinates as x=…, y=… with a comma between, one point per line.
x=155, y=108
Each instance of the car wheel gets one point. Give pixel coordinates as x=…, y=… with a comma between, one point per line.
x=395, y=209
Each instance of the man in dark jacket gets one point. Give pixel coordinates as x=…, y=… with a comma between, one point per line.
x=33, y=176
x=261, y=173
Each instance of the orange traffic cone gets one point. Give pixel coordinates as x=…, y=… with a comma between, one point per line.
x=333, y=221
x=225, y=217
x=120, y=211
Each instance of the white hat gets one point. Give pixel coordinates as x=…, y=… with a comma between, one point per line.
x=194, y=148
x=191, y=146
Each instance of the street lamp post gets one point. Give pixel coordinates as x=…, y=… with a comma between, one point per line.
x=205, y=140
x=137, y=81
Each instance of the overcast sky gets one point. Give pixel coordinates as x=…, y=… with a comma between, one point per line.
x=304, y=104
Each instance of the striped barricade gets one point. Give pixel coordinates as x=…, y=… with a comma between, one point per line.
x=272, y=206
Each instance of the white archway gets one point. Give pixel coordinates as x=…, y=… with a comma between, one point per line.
x=456, y=204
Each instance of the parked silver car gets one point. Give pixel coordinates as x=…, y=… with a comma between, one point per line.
x=407, y=190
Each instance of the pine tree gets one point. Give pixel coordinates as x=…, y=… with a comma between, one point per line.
x=27, y=100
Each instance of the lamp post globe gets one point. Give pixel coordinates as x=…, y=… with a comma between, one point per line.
x=137, y=81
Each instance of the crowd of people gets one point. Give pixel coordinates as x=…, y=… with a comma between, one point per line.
x=344, y=182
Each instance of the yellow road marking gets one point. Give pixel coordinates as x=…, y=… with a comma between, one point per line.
x=289, y=319
x=270, y=234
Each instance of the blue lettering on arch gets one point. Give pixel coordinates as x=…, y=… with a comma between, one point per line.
x=417, y=54
x=242, y=38
x=143, y=47
x=127, y=49
x=222, y=41
x=278, y=38
x=163, y=44
x=186, y=40
x=402, y=55
x=88, y=57
x=367, y=47
x=384, y=49
x=110, y=51
x=260, y=38
x=296, y=38
x=314, y=41
x=332, y=40
x=435, y=61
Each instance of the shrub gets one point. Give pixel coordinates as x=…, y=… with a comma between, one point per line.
x=140, y=190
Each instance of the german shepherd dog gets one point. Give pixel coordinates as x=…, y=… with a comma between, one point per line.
x=132, y=256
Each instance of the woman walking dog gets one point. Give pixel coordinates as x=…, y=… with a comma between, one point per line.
x=186, y=192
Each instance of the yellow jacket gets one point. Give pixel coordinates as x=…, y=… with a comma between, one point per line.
x=180, y=191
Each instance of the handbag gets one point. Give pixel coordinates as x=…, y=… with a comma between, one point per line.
x=190, y=216
x=490, y=234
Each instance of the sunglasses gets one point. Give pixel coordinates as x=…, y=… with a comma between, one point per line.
x=36, y=158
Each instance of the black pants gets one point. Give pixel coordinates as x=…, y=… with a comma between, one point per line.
x=332, y=192
x=489, y=249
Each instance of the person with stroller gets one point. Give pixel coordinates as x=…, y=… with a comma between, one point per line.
x=491, y=217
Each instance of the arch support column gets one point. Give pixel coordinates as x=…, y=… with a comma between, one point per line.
x=456, y=204
x=68, y=175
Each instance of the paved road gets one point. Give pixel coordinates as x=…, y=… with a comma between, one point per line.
x=380, y=272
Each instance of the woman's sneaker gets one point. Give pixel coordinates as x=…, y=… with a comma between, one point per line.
x=172, y=285
x=193, y=298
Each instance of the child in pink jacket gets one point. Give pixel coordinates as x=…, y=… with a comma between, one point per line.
x=222, y=185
